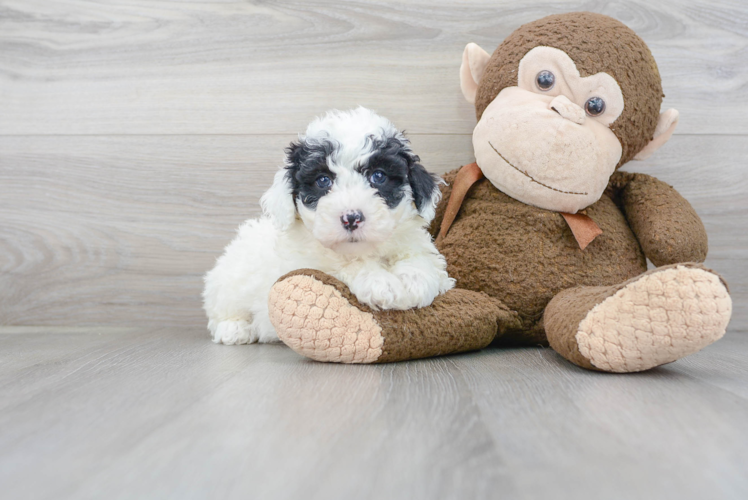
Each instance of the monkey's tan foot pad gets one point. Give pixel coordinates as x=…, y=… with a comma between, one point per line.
x=315, y=319
x=318, y=317
x=653, y=319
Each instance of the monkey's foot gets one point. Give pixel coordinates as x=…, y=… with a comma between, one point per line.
x=318, y=317
x=314, y=318
x=656, y=318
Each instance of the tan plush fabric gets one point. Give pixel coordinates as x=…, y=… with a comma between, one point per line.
x=571, y=89
x=596, y=43
x=541, y=148
x=474, y=61
x=317, y=321
x=653, y=319
x=663, y=132
x=318, y=317
x=536, y=156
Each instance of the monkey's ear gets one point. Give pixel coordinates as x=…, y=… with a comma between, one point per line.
x=665, y=128
x=474, y=61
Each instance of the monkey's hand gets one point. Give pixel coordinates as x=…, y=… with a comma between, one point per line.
x=666, y=225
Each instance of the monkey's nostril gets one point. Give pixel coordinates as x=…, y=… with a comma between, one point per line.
x=352, y=219
x=567, y=109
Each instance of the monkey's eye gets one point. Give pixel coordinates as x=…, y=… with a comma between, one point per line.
x=323, y=182
x=545, y=80
x=378, y=177
x=594, y=106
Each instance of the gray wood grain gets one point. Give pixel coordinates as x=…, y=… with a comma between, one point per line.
x=236, y=67
x=106, y=230
x=166, y=414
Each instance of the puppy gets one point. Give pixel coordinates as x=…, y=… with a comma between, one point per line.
x=352, y=201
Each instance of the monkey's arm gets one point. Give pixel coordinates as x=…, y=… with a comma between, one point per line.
x=666, y=225
x=446, y=190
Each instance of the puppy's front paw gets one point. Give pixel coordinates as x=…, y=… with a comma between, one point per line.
x=381, y=290
x=233, y=333
x=421, y=287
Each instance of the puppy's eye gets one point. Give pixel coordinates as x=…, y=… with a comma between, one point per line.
x=545, y=80
x=594, y=106
x=324, y=182
x=378, y=177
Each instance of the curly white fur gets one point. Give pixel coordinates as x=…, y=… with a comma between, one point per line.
x=389, y=263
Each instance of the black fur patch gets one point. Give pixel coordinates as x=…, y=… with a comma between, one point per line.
x=401, y=166
x=305, y=163
x=389, y=158
x=422, y=183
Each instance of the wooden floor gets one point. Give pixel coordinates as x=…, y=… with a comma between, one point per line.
x=135, y=135
x=132, y=413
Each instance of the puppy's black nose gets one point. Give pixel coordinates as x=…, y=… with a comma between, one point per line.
x=352, y=219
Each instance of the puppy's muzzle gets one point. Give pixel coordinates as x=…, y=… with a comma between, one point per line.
x=351, y=220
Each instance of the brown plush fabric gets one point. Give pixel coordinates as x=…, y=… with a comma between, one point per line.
x=457, y=321
x=523, y=255
x=563, y=315
x=596, y=43
x=668, y=228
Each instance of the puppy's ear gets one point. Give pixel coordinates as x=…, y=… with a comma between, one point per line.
x=425, y=187
x=277, y=203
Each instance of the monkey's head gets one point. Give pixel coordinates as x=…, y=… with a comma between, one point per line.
x=562, y=103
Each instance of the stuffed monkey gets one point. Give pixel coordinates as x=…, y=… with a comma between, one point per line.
x=546, y=238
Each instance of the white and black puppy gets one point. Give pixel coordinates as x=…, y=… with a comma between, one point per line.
x=352, y=201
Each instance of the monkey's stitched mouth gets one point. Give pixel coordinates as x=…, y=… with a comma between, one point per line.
x=530, y=176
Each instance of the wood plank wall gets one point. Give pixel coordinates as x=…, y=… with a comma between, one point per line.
x=136, y=135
